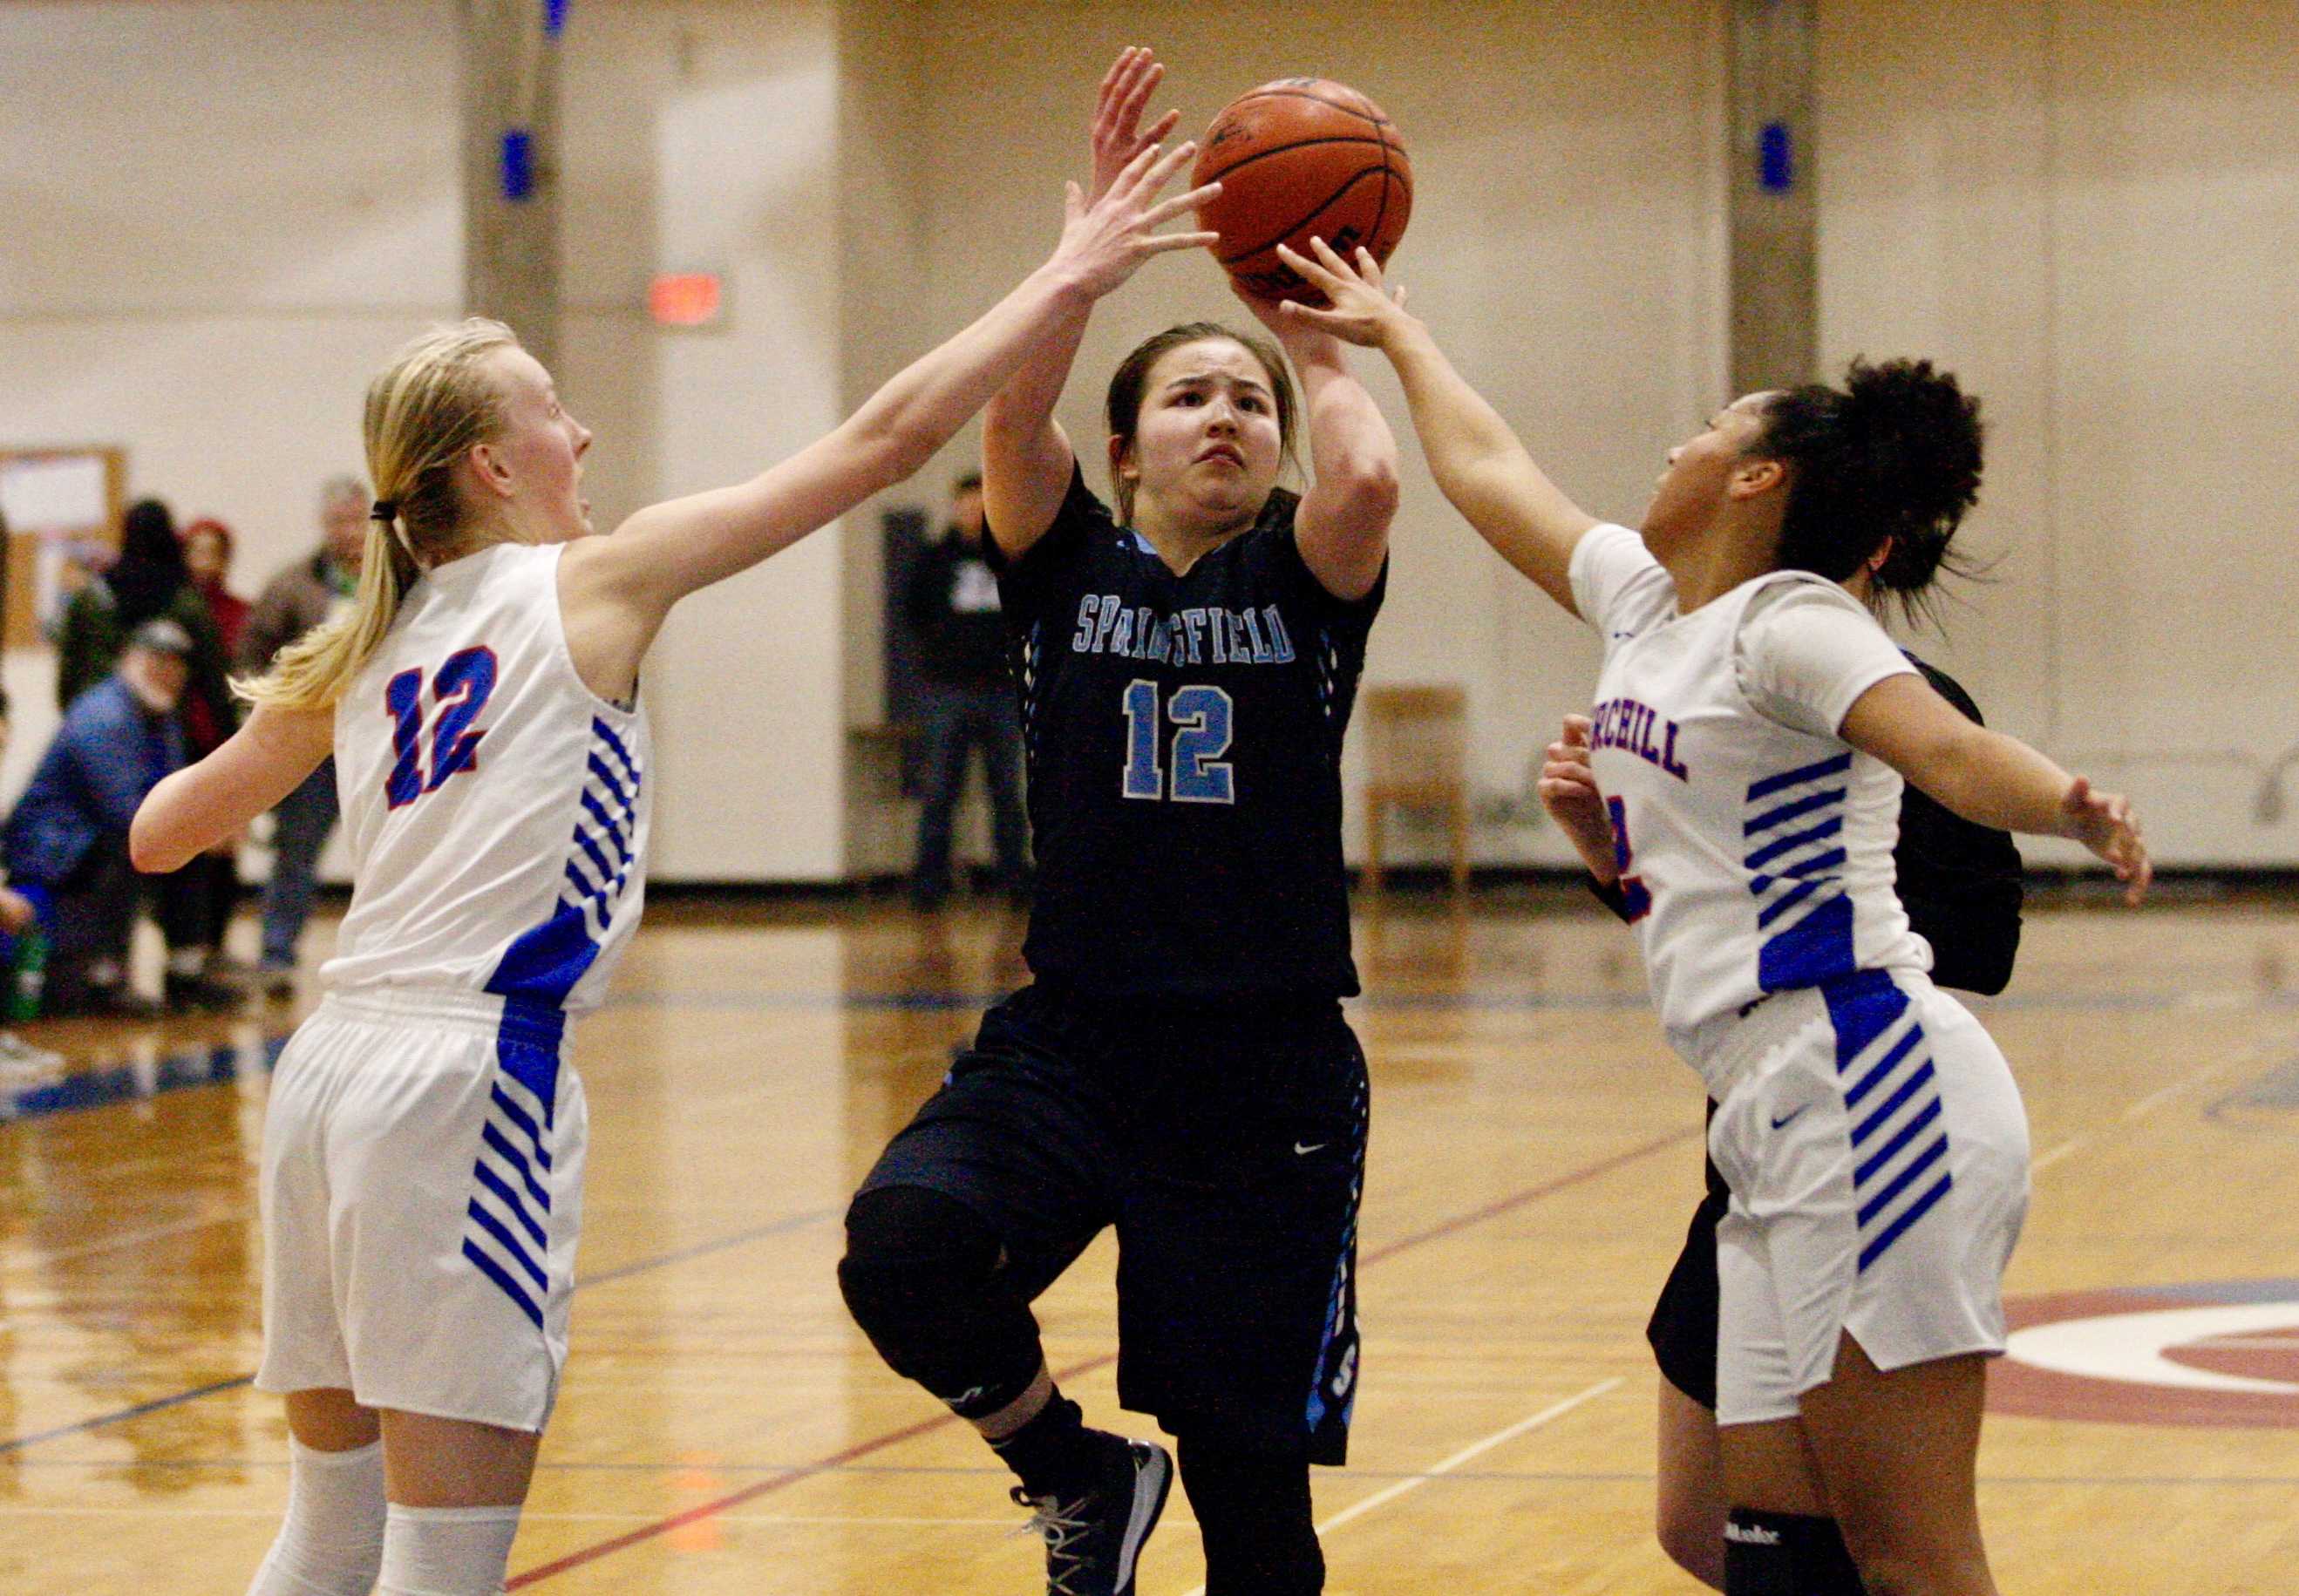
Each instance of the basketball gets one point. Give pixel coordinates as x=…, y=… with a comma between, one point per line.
x=1297, y=159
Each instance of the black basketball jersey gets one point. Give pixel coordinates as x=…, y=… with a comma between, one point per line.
x=1184, y=746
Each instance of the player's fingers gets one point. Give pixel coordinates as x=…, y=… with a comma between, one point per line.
x=1159, y=243
x=1112, y=94
x=1368, y=267
x=1137, y=94
x=1119, y=68
x=1327, y=321
x=2079, y=795
x=1135, y=170
x=1577, y=728
x=1161, y=171
x=1072, y=202
x=1164, y=210
x=1331, y=258
x=1165, y=125
x=1309, y=270
x=1399, y=300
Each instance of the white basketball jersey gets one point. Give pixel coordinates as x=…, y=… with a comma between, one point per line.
x=495, y=807
x=1757, y=857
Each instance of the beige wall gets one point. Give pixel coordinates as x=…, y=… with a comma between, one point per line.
x=2088, y=207
x=221, y=214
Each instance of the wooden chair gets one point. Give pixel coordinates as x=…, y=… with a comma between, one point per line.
x=1417, y=758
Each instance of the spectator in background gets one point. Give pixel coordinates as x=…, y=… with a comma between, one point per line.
x=148, y=579
x=966, y=698
x=67, y=838
x=306, y=594
x=18, y=1059
x=207, y=556
x=208, y=547
x=151, y=580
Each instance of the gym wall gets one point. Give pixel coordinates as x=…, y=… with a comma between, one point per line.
x=224, y=215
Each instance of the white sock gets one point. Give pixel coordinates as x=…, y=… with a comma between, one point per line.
x=187, y=961
x=332, y=1541
x=446, y=1551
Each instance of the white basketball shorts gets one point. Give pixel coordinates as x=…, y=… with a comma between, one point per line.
x=422, y=1188
x=1878, y=1155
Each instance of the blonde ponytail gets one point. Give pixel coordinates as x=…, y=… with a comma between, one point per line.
x=430, y=405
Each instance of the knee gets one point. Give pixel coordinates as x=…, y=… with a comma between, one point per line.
x=909, y=1253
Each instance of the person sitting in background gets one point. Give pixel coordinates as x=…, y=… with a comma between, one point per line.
x=151, y=580
x=966, y=698
x=67, y=839
x=292, y=602
x=18, y=1059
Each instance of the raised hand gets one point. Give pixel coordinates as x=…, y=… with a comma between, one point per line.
x=2102, y=822
x=1358, y=308
x=1106, y=239
x=1117, y=134
x=1568, y=791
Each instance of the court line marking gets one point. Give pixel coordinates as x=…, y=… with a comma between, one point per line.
x=1469, y=1453
x=46, y=1258
x=789, y=1222
x=862, y=1448
x=2156, y=1099
x=2042, y=1162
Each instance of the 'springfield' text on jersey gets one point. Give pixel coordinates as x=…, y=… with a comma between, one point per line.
x=1184, y=741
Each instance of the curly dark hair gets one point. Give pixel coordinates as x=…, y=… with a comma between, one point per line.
x=1893, y=454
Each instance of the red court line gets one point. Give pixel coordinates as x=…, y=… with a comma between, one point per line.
x=748, y=1493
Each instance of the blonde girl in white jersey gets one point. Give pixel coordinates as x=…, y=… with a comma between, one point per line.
x=1753, y=724
x=424, y=1143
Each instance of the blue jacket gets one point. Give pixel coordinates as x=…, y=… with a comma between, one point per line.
x=109, y=753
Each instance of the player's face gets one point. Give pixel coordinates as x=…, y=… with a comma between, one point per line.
x=1205, y=447
x=541, y=447
x=1698, y=477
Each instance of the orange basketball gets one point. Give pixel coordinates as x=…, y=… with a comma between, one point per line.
x=1298, y=158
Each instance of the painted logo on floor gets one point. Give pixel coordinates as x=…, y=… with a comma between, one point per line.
x=2215, y=1355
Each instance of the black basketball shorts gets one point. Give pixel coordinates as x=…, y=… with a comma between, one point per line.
x=1226, y=1142
x=1683, y=1327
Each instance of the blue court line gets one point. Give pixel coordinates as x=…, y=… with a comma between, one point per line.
x=797, y=1221
x=220, y=1066
x=137, y=1412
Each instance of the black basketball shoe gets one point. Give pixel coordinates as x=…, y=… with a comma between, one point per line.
x=1093, y=1541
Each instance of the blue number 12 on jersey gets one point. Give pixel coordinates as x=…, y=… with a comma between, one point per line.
x=1201, y=736
x=462, y=687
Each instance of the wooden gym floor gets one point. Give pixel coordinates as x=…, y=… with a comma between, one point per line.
x=724, y=1429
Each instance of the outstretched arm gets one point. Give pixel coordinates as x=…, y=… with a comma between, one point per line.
x=197, y=807
x=615, y=590
x=1027, y=458
x=1478, y=462
x=1342, y=526
x=1990, y=778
